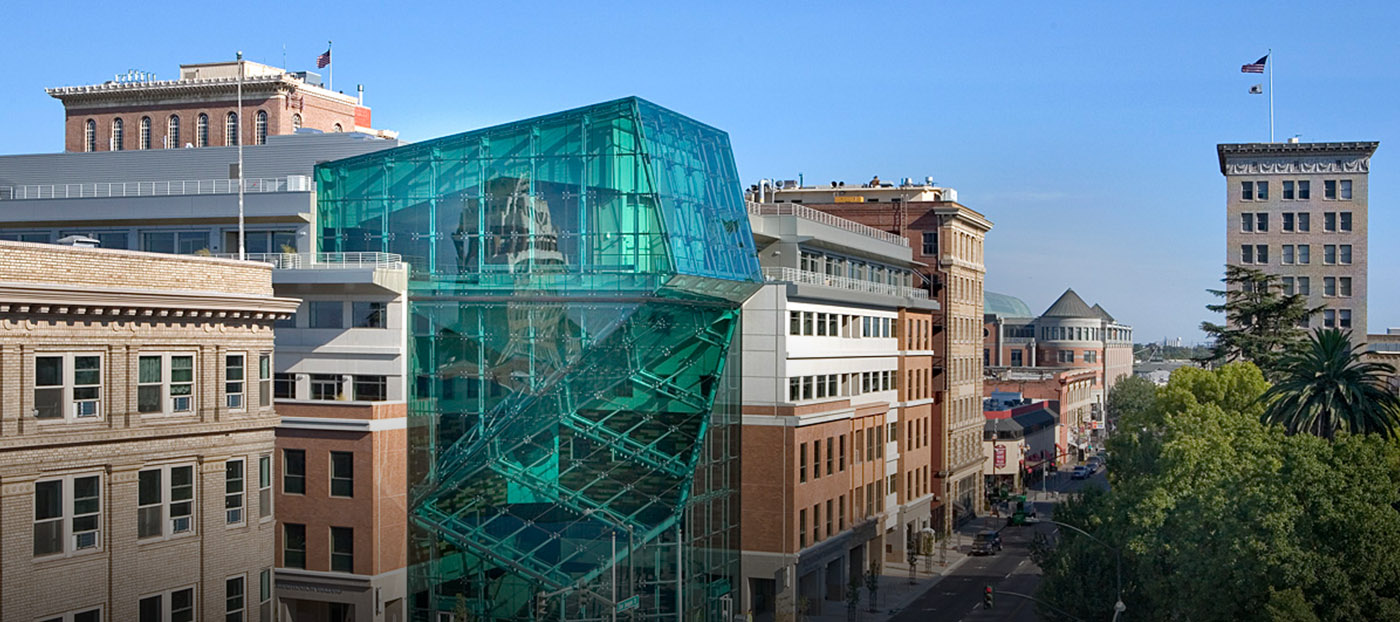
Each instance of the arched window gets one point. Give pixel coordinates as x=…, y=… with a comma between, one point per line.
x=145, y=137
x=90, y=135
x=202, y=131
x=172, y=132
x=261, y=126
x=296, y=122
x=231, y=129
x=335, y=128
x=117, y=134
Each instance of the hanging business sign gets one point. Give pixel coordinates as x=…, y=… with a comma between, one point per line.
x=999, y=456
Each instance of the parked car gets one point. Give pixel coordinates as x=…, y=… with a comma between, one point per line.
x=1095, y=464
x=1080, y=472
x=986, y=543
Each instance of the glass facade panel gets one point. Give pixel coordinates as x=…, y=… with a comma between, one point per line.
x=574, y=298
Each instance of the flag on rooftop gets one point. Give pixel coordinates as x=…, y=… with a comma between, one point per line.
x=1254, y=67
x=325, y=59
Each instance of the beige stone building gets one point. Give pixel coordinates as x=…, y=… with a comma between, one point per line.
x=1299, y=210
x=136, y=436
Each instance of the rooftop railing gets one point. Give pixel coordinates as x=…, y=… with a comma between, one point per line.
x=807, y=213
x=323, y=261
x=793, y=275
x=290, y=183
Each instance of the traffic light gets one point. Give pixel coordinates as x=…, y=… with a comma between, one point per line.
x=987, y=597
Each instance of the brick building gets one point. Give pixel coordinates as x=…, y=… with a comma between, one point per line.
x=838, y=409
x=200, y=109
x=136, y=435
x=947, y=239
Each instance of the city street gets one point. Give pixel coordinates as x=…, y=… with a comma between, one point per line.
x=959, y=595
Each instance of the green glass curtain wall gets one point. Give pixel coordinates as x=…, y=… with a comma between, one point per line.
x=574, y=299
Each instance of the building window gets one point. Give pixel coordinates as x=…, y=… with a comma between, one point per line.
x=144, y=138
x=264, y=486
x=1091, y=356
x=118, y=133
x=1346, y=189
x=817, y=459
x=296, y=122
x=1261, y=253
x=175, y=242
x=165, y=501
x=1016, y=358
x=802, y=528
x=1287, y=190
x=265, y=595
x=1329, y=222
x=1287, y=254
x=325, y=386
x=165, y=384
x=336, y=128
x=930, y=243
x=371, y=388
x=90, y=615
x=1344, y=318
x=294, y=471
x=1066, y=356
x=201, y=130
x=1304, y=222
x=233, y=381
x=368, y=314
x=67, y=386
x=342, y=474
x=90, y=136
x=1287, y=283
x=327, y=314
x=1329, y=190
x=794, y=322
x=802, y=462
x=233, y=599
x=284, y=386
x=1304, y=190
x=830, y=451
x=1329, y=254
x=1247, y=253
x=233, y=491
x=264, y=380
x=1329, y=286
x=172, y=132
x=1288, y=222
x=1247, y=222
x=1247, y=191
x=1262, y=222
x=1329, y=318
x=231, y=129
x=1304, y=254
x=1304, y=286
x=260, y=125
x=1344, y=286
x=342, y=549
x=294, y=545
x=67, y=515
x=1261, y=190
x=172, y=606
x=1345, y=254
x=1345, y=221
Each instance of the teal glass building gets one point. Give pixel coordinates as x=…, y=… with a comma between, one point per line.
x=574, y=299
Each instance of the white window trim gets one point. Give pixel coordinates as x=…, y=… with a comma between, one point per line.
x=70, y=405
x=236, y=401
x=70, y=547
x=242, y=508
x=166, y=602
x=167, y=401
x=265, y=375
x=167, y=526
x=68, y=616
x=265, y=509
x=243, y=610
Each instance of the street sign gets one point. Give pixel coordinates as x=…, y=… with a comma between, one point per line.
x=629, y=603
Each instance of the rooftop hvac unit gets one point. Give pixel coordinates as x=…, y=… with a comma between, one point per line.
x=309, y=77
x=950, y=194
x=788, y=184
x=908, y=181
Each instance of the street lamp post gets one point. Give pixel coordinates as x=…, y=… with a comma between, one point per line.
x=1118, y=607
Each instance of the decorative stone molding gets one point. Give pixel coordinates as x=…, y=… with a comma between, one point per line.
x=1273, y=166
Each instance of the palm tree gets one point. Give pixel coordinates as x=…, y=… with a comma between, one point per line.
x=1326, y=387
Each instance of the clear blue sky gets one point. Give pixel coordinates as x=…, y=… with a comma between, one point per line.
x=1085, y=130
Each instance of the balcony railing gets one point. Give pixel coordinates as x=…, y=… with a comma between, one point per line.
x=807, y=213
x=290, y=183
x=793, y=275
x=323, y=261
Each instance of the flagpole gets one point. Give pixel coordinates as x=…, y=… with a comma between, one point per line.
x=330, y=72
x=1271, y=95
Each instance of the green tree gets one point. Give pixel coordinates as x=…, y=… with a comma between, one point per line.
x=1131, y=396
x=1326, y=387
x=1261, y=321
x=1222, y=517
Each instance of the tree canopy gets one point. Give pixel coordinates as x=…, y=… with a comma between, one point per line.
x=1262, y=322
x=1325, y=387
x=1222, y=517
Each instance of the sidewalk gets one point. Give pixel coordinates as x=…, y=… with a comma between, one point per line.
x=895, y=592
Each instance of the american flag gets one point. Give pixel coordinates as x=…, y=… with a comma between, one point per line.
x=1254, y=67
x=325, y=59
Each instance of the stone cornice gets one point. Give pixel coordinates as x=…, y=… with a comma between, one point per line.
x=271, y=86
x=1295, y=157
x=26, y=299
